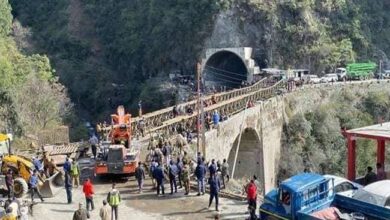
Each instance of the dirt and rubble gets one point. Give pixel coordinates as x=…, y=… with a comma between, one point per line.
x=141, y=206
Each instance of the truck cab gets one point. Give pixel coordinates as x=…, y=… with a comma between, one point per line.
x=310, y=196
x=341, y=74
x=302, y=193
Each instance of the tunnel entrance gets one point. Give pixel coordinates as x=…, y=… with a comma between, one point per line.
x=250, y=156
x=225, y=68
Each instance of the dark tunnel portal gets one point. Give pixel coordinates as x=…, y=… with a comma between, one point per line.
x=225, y=68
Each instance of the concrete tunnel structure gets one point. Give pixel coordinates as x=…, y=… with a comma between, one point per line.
x=228, y=67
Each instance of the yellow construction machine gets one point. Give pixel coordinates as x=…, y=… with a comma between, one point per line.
x=22, y=168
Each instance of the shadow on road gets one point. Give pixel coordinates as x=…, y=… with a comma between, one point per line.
x=187, y=213
x=62, y=210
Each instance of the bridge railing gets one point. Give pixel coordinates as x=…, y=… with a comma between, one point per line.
x=156, y=118
x=228, y=107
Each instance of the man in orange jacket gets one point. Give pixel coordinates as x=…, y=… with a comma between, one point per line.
x=251, y=191
x=88, y=192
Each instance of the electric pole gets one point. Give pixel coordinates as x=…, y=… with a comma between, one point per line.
x=198, y=124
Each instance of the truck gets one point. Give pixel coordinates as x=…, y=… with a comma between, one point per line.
x=310, y=196
x=356, y=71
x=118, y=155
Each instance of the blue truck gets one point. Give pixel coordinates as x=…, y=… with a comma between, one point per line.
x=307, y=196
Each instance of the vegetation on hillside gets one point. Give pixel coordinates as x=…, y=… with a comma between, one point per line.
x=31, y=98
x=321, y=34
x=136, y=40
x=105, y=52
x=313, y=140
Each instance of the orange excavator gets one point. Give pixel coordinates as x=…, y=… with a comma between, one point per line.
x=118, y=155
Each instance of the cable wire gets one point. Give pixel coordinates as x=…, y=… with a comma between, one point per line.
x=227, y=76
x=212, y=67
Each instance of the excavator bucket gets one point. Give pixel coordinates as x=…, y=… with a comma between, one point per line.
x=52, y=185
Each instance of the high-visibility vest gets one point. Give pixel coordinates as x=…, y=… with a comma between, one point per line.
x=114, y=199
x=74, y=170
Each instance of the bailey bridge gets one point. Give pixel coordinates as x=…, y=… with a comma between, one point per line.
x=260, y=126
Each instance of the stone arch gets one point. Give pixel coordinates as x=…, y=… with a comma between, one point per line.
x=250, y=158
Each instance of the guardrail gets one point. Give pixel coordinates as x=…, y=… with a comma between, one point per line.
x=228, y=107
x=156, y=118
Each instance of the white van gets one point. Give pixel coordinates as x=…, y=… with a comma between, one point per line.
x=330, y=77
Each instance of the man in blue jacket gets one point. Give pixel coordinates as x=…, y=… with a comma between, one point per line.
x=213, y=167
x=67, y=165
x=173, y=171
x=200, y=173
x=159, y=176
x=33, y=181
x=215, y=119
x=68, y=187
x=215, y=185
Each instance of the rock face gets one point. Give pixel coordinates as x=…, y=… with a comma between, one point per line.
x=233, y=28
x=292, y=34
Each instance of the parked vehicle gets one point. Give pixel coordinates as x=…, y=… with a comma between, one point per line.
x=330, y=77
x=311, y=79
x=344, y=186
x=310, y=196
x=386, y=74
x=341, y=74
x=360, y=70
x=120, y=156
x=377, y=193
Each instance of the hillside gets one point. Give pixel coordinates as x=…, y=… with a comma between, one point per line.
x=31, y=98
x=105, y=52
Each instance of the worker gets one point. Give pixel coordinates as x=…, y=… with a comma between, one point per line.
x=213, y=167
x=94, y=143
x=88, y=192
x=15, y=206
x=153, y=166
x=81, y=213
x=200, y=173
x=215, y=186
x=67, y=165
x=104, y=211
x=225, y=173
x=172, y=173
x=34, y=186
x=159, y=175
x=186, y=173
x=380, y=172
x=174, y=111
x=251, y=192
x=9, y=214
x=68, y=187
x=37, y=164
x=179, y=164
x=24, y=210
x=52, y=167
x=140, y=176
x=114, y=199
x=75, y=173
x=216, y=119
x=46, y=162
x=166, y=151
x=9, y=182
x=185, y=158
x=370, y=176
